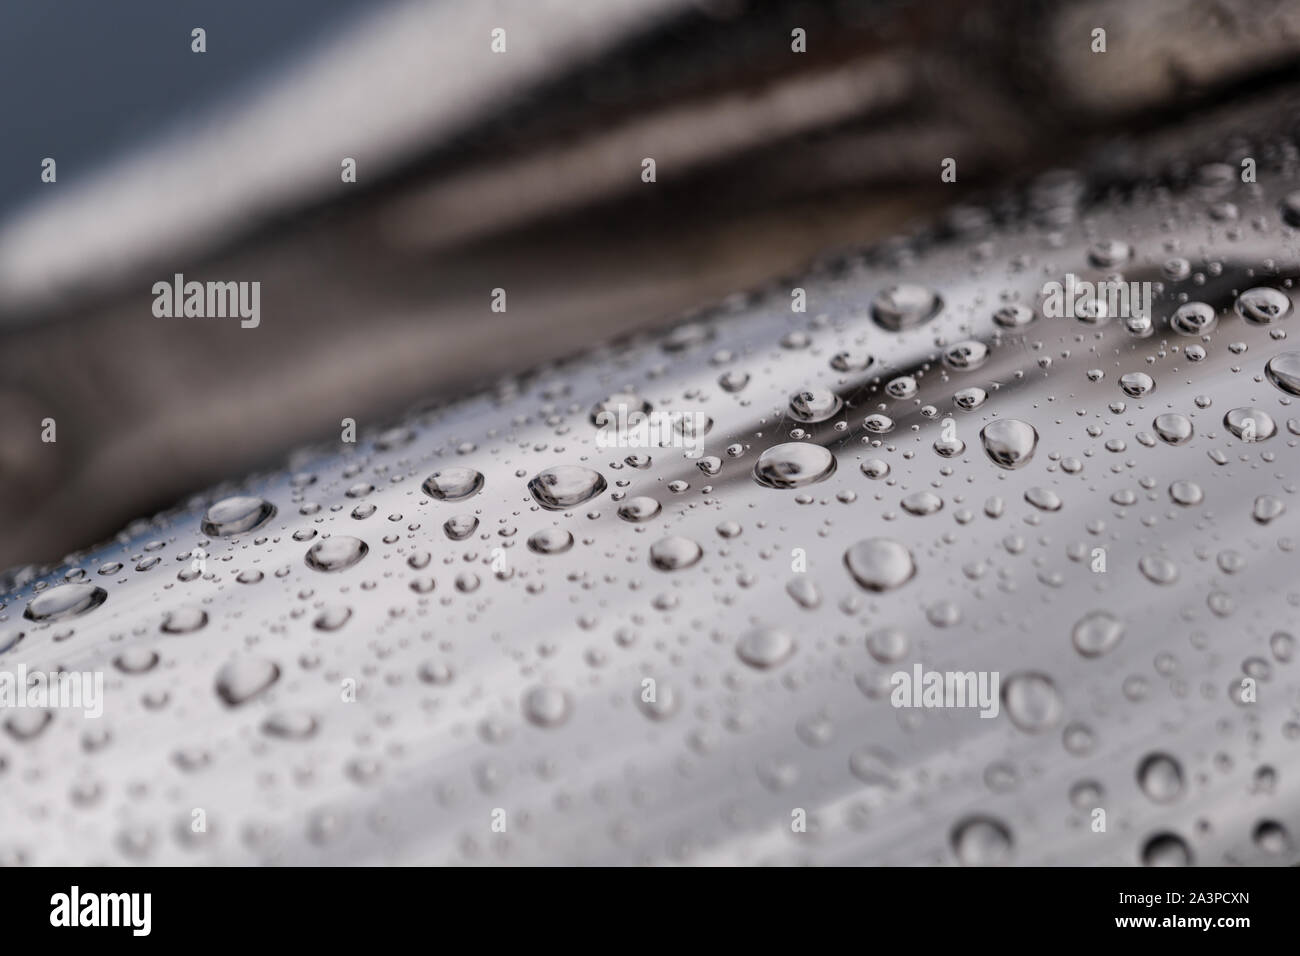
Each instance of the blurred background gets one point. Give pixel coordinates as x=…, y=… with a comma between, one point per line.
x=518, y=170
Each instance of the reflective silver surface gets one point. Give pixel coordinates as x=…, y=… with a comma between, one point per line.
x=491, y=676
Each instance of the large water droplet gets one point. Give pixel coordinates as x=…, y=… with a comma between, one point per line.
x=547, y=706
x=880, y=564
x=1032, y=701
x=903, y=307
x=1158, y=569
x=815, y=405
x=1262, y=305
x=981, y=841
x=453, y=484
x=244, y=678
x=1009, y=442
x=1166, y=849
x=1250, y=424
x=183, y=620
x=1283, y=370
x=1097, y=633
x=1173, y=428
x=336, y=552
x=922, y=503
x=66, y=600
x=550, y=541
x=564, y=486
x=673, y=554
x=618, y=407
x=1161, y=777
x=236, y=515
x=638, y=509
x=793, y=465
x=1194, y=318
x=1136, y=384
x=966, y=356
x=764, y=647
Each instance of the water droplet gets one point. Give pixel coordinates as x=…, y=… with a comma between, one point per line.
x=1166, y=849
x=1194, y=318
x=1109, y=253
x=1266, y=508
x=875, y=468
x=547, y=706
x=66, y=600
x=764, y=647
x=815, y=405
x=453, y=484
x=1158, y=569
x=851, y=361
x=673, y=554
x=1136, y=384
x=966, y=356
x=1290, y=207
x=236, y=515
x=887, y=645
x=903, y=387
x=880, y=564
x=1097, y=633
x=1013, y=316
x=564, y=486
x=1271, y=837
x=460, y=527
x=638, y=509
x=804, y=592
x=136, y=660
x=244, y=678
x=1044, y=499
x=290, y=725
x=1161, y=777
x=332, y=618
x=336, y=553
x=878, y=424
x=618, y=407
x=793, y=465
x=903, y=307
x=1032, y=701
x=1250, y=424
x=1009, y=442
x=1283, y=370
x=981, y=841
x=922, y=503
x=550, y=541
x=1262, y=305
x=1173, y=428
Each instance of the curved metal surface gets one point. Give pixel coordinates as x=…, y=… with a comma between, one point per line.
x=497, y=684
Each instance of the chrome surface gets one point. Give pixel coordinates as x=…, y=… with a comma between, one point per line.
x=448, y=641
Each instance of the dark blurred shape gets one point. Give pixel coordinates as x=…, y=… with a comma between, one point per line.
x=521, y=171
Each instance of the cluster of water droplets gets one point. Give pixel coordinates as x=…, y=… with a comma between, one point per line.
x=505, y=603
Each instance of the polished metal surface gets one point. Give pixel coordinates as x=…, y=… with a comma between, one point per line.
x=498, y=714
